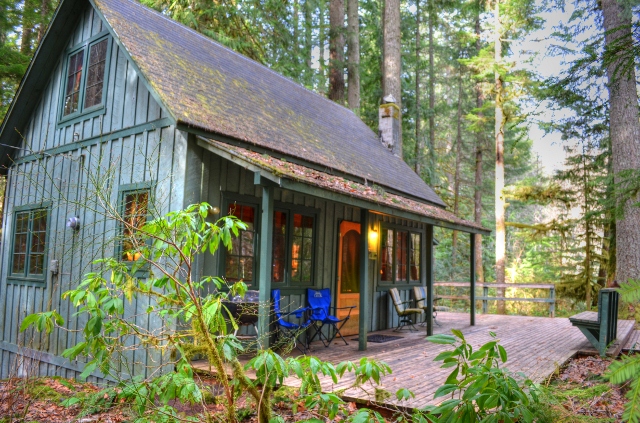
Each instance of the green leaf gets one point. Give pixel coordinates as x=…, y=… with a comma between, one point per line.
x=503, y=353
x=445, y=389
x=441, y=339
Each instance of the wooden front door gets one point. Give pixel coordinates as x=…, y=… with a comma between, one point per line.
x=349, y=275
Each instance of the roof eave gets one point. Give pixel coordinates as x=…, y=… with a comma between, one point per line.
x=299, y=186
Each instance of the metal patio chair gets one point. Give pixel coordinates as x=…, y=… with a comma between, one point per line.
x=404, y=313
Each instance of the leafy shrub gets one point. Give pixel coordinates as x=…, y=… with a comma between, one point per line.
x=479, y=388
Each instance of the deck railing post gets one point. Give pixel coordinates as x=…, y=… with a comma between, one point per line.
x=485, y=294
x=472, y=278
x=552, y=303
x=430, y=279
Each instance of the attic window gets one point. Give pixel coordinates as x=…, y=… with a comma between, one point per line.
x=85, y=76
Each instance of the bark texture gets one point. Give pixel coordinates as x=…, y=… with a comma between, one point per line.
x=419, y=143
x=624, y=133
x=392, y=59
x=477, y=194
x=353, y=66
x=501, y=232
x=336, y=51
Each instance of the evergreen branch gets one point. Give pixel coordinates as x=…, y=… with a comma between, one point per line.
x=630, y=290
x=627, y=368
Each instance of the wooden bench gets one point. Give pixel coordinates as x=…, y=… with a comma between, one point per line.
x=600, y=328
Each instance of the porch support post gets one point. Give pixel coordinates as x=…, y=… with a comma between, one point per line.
x=364, y=280
x=472, y=278
x=264, y=265
x=429, y=276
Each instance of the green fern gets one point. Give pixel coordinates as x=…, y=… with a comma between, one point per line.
x=628, y=367
x=632, y=409
x=630, y=290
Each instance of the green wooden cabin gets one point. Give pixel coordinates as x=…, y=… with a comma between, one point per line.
x=123, y=109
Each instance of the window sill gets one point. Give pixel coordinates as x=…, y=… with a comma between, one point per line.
x=80, y=116
x=18, y=280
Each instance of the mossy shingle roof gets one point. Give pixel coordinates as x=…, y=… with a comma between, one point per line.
x=207, y=86
x=326, y=182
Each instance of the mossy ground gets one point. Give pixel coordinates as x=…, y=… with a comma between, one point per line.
x=579, y=393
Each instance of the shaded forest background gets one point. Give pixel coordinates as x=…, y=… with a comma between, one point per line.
x=461, y=63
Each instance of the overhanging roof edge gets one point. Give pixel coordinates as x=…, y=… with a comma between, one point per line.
x=290, y=183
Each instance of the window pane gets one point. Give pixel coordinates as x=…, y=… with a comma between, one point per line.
x=18, y=263
x=36, y=262
x=239, y=262
x=95, y=74
x=74, y=77
x=302, y=248
x=386, y=252
x=29, y=243
x=134, y=217
x=279, y=246
x=415, y=257
x=401, y=256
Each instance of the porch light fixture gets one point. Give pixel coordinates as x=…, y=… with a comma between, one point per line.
x=373, y=240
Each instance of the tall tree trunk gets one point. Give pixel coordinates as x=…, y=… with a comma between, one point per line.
x=501, y=241
x=308, y=43
x=419, y=144
x=456, y=178
x=45, y=8
x=392, y=60
x=336, y=51
x=322, y=80
x=624, y=131
x=477, y=194
x=587, y=229
x=296, y=33
x=353, y=66
x=432, y=88
x=28, y=23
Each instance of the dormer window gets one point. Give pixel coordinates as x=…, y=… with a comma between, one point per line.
x=85, y=76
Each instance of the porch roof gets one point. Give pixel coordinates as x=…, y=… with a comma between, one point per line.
x=296, y=177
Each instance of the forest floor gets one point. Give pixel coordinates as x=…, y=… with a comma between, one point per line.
x=577, y=393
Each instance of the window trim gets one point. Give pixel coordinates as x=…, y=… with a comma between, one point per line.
x=408, y=282
x=289, y=209
x=25, y=278
x=84, y=113
x=123, y=191
x=243, y=200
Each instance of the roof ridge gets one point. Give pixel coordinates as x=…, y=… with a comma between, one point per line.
x=240, y=55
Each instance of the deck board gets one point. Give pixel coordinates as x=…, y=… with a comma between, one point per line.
x=536, y=346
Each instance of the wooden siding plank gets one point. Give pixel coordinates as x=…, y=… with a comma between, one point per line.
x=130, y=97
x=142, y=103
x=117, y=108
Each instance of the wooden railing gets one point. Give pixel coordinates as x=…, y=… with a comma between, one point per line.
x=551, y=299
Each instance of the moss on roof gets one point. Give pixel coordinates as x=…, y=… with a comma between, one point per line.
x=207, y=86
x=373, y=194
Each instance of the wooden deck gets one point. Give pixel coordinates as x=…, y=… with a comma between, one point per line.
x=536, y=346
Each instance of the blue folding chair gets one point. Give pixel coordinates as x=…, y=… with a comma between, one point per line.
x=287, y=330
x=320, y=303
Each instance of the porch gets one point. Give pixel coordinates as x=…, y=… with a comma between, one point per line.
x=536, y=346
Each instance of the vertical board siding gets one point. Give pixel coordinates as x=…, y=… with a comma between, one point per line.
x=127, y=100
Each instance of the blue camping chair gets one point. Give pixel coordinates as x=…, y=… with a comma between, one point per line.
x=320, y=303
x=289, y=331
